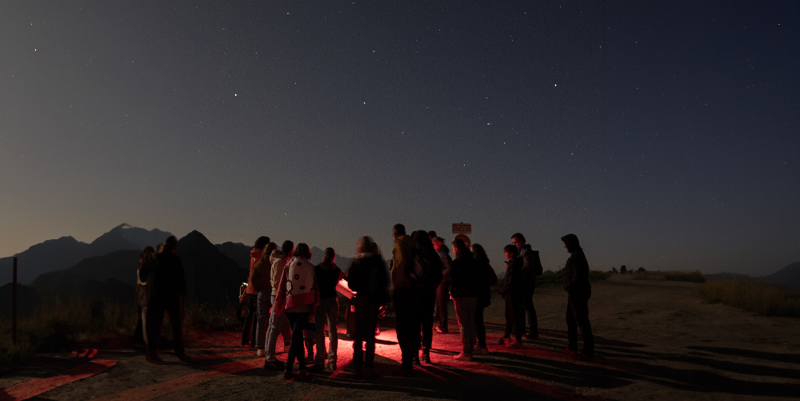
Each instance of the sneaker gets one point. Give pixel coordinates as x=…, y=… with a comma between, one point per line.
x=260, y=353
x=480, y=351
x=301, y=374
x=441, y=330
x=288, y=375
x=463, y=357
x=502, y=340
x=514, y=344
x=415, y=361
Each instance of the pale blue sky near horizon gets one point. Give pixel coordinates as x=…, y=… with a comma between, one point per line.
x=664, y=135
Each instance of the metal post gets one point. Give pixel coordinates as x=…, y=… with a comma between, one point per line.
x=14, y=305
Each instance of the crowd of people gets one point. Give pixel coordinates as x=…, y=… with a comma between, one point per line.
x=288, y=295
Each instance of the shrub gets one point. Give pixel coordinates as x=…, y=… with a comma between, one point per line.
x=764, y=299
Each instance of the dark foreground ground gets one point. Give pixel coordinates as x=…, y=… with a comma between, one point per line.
x=655, y=340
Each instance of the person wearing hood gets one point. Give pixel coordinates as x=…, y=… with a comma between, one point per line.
x=298, y=295
x=576, y=283
x=368, y=279
x=260, y=280
x=531, y=267
x=328, y=275
x=277, y=323
x=407, y=300
x=249, y=328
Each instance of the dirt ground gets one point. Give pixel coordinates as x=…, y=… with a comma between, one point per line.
x=654, y=340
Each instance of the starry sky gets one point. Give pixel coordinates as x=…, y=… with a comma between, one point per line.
x=663, y=134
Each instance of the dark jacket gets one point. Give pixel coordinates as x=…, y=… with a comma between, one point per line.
x=530, y=262
x=486, y=278
x=328, y=275
x=402, y=262
x=576, y=270
x=367, y=277
x=464, y=276
x=169, y=279
x=513, y=286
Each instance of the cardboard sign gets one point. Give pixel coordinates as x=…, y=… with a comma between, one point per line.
x=462, y=228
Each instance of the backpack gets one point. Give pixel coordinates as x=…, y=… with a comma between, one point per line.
x=427, y=269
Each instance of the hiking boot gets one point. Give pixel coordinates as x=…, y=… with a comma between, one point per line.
x=480, y=351
x=514, y=344
x=463, y=357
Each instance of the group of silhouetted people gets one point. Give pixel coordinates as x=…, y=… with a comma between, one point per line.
x=286, y=294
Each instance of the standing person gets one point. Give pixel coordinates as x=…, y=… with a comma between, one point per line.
x=486, y=278
x=297, y=296
x=146, y=264
x=277, y=323
x=576, y=283
x=464, y=291
x=406, y=300
x=166, y=294
x=328, y=275
x=531, y=267
x=261, y=283
x=513, y=292
x=443, y=290
x=433, y=264
x=249, y=328
x=367, y=277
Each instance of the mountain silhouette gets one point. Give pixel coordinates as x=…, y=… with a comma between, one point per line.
x=211, y=276
x=118, y=266
x=238, y=252
x=65, y=252
x=789, y=276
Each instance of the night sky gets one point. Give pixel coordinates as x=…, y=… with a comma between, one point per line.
x=663, y=134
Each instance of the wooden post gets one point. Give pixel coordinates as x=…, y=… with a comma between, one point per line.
x=14, y=305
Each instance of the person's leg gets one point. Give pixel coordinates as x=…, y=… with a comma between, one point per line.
x=461, y=318
x=248, y=321
x=145, y=336
x=362, y=329
x=403, y=306
x=519, y=318
x=286, y=332
x=469, y=323
x=275, y=326
x=176, y=322
x=296, y=347
x=333, y=333
x=155, y=318
x=254, y=323
x=480, y=328
x=441, y=304
x=509, y=314
x=319, y=331
x=572, y=327
x=530, y=308
x=371, y=321
x=580, y=311
x=262, y=316
x=428, y=303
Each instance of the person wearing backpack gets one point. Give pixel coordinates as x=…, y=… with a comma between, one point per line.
x=368, y=279
x=486, y=278
x=407, y=300
x=432, y=266
x=531, y=267
x=464, y=291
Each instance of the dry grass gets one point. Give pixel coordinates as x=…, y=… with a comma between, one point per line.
x=764, y=299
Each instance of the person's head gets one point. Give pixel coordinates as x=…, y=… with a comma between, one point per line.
x=366, y=245
x=459, y=247
x=160, y=248
x=329, y=255
x=479, y=252
x=287, y=247
x=261, y=242
x=510, y=251
x=422, y=240
x=432, y=234
x=398, y=231
x=302, y=251
x=518, y=240
x=438, y=245
x=268, y=249
x=171, y=245
x=146, y=255
x=571, y=242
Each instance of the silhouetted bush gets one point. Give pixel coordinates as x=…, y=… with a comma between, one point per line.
x=764, y=299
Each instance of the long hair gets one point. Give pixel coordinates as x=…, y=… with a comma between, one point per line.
x=480, y=254
x=302, y=251
x=264, y=259
x=146, y=256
